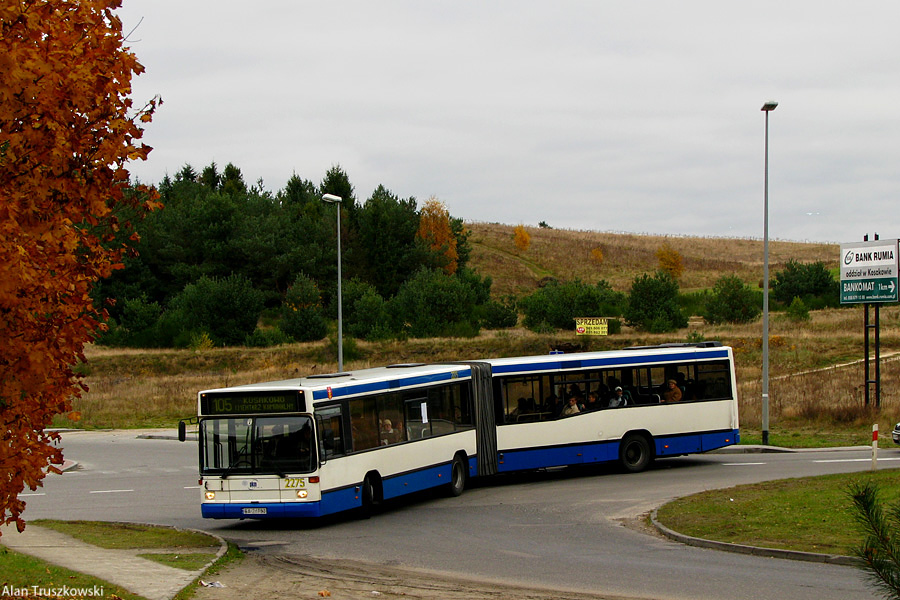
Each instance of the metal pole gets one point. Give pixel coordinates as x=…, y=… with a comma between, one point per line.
x=336, y=200
x=340, y=308
x=767, y=108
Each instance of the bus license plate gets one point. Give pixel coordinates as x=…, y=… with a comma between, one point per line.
x=254, y=511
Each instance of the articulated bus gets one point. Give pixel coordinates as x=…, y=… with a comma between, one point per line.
x=323, y=444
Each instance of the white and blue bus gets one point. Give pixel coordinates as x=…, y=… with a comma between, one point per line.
x=323, y=444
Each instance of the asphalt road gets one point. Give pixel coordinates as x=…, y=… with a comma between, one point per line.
x=561, y=529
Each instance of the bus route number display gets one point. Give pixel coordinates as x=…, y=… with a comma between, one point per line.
x=233, y=404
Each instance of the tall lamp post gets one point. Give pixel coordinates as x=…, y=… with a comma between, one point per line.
x=332, y=199
x=767, y=108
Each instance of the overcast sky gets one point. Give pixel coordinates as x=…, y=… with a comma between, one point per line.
x=610, y=116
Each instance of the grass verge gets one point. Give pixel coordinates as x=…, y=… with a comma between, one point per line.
x=21, y=573
x=807, y=514
x=29, y=577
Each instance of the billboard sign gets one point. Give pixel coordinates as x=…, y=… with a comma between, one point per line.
x=591, y=326
x=869, y=272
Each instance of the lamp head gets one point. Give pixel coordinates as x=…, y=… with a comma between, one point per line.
x=331, y=198
x=769, y=106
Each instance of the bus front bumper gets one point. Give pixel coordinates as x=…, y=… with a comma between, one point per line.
x=279, y=510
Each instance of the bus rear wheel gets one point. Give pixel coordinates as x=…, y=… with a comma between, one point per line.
x=634, y=453
x=457, y=477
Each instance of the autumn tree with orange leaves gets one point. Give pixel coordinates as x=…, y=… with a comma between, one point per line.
x=436, y=231
x=67, y=130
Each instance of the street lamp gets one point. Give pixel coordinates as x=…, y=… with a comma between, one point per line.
x=332, y=199
x=766, y=108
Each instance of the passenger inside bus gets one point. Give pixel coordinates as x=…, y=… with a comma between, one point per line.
x=672, y=393
x=618, y=398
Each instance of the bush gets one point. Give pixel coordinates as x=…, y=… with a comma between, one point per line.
x=812, y=282
x=731, y=301
x=653, y=304
x=226, y=309
x=501, y=314
x=264, y=338
x=433, y=304
x=369, y=318
x=301, y=312
x=556, y=305
x=797, y=311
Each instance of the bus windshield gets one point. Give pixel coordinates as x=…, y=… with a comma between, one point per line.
x=256, y=445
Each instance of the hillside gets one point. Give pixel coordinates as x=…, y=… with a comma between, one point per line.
x=567, y=254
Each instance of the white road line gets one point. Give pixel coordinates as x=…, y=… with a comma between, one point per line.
x=30, y=495
x=845, y=460
x=192, y=487
x=743, y=464
x=109, y=491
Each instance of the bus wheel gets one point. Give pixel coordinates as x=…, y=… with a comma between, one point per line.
x=369, y=498
x=457, y=476
x=634, y=453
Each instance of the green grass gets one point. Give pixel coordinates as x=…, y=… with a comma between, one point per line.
x=130, y=535
x=808, y=514
x=20, y=571
x=804, y=435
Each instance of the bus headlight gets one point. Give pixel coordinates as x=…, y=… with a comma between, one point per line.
x=210, y=495
x=301, y=494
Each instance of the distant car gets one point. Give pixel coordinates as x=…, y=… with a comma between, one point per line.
x=896, y=433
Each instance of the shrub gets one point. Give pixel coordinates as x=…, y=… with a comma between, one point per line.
x=301, y=312
x=431, y=304
x=557, y=304
x=369, y=318
x=653, y=304
x=264, y=338
x=797, y=311
x=732, y=301
x=812, y=282
x=521, y=238
x=495, y=314
x=227, y=309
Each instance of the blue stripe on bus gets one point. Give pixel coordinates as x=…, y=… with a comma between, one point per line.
x=274, y=510
x=607, y=362
x=340, y=499
x=363, y=388
x=597, y=452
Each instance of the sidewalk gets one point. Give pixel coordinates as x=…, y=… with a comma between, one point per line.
x=124, y=568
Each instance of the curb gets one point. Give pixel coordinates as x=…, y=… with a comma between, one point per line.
x=833, y=559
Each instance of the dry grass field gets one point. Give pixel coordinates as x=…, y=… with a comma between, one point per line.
x=816, y=379
x=566, y=255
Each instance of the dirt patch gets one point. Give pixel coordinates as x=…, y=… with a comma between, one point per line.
x=289, y=577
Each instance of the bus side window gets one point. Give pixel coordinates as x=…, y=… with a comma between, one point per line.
x=331, y=422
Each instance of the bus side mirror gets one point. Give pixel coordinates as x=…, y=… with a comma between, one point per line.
x=182, y=431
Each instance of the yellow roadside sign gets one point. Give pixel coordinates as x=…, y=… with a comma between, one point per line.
x=591, y=326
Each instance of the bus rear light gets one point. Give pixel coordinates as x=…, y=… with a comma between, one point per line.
x=302, y=494
x=210, y=495
x=314, y=479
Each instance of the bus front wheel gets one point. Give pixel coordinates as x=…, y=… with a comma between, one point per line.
x=634, y=453
x=457, y=477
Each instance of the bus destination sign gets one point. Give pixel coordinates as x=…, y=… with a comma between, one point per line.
x=244, y=403
x=869, y=272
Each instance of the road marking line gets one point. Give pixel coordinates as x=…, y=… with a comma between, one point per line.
x=192, y=487
x=30, y=495
x=742, y=464
x=843, y=460
x=109, y=491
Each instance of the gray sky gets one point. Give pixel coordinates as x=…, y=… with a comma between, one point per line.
x=611, y=116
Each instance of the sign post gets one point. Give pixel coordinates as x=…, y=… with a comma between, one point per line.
x=869, y=275
x=869, y=272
